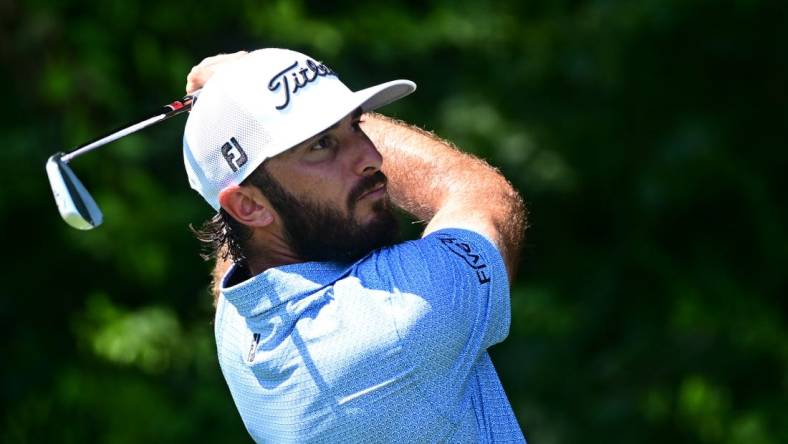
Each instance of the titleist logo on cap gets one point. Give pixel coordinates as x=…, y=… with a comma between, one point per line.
x=301, y=78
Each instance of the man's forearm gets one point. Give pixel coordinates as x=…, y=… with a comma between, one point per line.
x=428, y=177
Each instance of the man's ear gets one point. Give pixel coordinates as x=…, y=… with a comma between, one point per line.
x=247, y=205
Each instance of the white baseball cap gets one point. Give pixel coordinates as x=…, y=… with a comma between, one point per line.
x=262, y=104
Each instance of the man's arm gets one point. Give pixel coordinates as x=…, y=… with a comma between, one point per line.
x=432, y=180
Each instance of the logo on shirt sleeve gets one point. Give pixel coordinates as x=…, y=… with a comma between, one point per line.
x=469, y=255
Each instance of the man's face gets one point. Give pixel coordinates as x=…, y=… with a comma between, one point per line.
x=331, y=195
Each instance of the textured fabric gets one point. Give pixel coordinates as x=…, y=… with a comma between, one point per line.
x=389, y=349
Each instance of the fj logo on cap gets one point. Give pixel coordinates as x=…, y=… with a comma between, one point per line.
x=300, y=78
x=234, y=154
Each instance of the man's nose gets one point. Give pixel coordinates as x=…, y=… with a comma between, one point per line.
x=367, y=157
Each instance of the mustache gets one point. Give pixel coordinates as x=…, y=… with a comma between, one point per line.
x=364, y=185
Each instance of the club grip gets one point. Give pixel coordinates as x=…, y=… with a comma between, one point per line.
x=179, y=106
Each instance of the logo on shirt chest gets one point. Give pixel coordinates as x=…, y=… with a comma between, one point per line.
x=469, y=254
x=253, y=347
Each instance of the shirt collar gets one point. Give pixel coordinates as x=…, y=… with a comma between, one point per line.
x=278, y=285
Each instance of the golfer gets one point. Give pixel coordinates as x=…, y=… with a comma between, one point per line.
x=329, y=329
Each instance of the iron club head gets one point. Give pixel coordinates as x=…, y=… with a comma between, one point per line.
x=75, y=204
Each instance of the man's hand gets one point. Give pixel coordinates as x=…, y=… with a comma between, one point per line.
x=204, y=70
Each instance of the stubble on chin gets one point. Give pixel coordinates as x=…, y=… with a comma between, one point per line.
x=318, y=233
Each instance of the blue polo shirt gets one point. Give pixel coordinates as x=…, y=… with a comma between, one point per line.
x=392, y=348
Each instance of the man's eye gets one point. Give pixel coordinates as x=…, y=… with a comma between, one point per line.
x=324, y=143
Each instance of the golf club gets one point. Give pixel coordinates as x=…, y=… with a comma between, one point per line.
x=74, y=202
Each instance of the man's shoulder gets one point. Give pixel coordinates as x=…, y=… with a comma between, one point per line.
x=445, y=248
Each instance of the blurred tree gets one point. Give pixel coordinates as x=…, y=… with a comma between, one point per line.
x=648, y=138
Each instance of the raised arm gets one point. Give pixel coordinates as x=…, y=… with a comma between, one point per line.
x=432, y=180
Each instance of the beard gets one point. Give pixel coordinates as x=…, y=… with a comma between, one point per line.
x=317, y=232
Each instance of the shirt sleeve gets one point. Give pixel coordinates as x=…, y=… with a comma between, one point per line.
x=450, y=297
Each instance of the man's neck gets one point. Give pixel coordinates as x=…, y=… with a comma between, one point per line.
x=263, y=262
x=268, y=250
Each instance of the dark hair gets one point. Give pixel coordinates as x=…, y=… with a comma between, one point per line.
x=222, y=236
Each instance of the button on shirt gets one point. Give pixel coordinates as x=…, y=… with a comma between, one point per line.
x=392, y=348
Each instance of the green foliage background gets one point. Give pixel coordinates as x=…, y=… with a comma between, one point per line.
x=648, y=138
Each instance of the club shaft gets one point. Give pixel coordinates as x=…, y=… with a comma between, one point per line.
x=113, y=137
x=173, y=109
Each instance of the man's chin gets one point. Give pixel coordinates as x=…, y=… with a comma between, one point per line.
x=379, y=229
x=380, y=212
x=330, y=238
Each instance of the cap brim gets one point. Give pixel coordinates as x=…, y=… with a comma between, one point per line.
x=380, y=95
x=367, y=99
